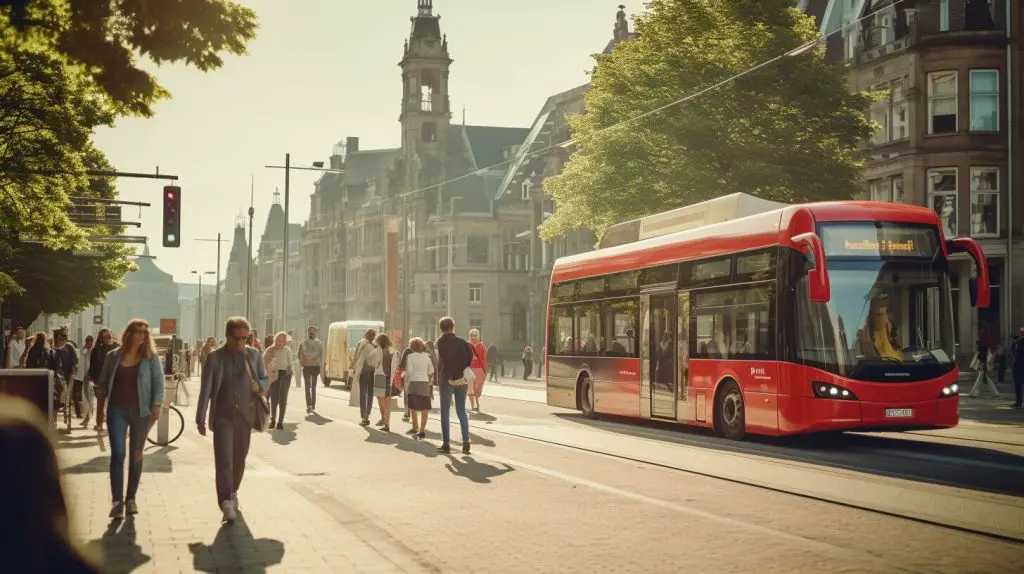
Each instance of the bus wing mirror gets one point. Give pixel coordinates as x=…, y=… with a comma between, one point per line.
x=979, y=286
x=817, y=278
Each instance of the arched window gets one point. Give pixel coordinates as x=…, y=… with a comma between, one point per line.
x=429, y=132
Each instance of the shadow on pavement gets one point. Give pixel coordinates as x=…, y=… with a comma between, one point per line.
x=118, y=547
x=972, y=467
x=318, y=419
x=482, y=417
x=476, y=471
x=153, y=461
x=234, y=548
x=991, y=411
x=286, y=435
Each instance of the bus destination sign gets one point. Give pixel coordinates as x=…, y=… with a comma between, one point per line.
x=873, y=240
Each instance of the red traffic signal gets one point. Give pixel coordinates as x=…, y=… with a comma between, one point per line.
x=172, y=216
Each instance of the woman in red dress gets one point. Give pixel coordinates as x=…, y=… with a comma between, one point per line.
x=479, y=366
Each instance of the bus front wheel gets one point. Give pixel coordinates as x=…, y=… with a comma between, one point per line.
x=730, y=412
x=586, y=395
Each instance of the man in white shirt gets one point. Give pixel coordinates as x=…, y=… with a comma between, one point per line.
x=311, y=357
x=16, y=348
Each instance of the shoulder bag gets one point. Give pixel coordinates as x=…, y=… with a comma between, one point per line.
x=259, y=404
x=468, y=376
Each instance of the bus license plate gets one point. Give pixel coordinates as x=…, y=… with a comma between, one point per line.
x=898, y=413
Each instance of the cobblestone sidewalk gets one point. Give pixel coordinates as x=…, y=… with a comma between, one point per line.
x=178, y=528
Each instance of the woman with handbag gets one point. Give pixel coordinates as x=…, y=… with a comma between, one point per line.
x=383, y=356
x=479, y=366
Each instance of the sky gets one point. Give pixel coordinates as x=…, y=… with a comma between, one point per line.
x=318, y=72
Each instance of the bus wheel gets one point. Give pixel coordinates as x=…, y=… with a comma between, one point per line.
x=586, y=395
x=730, y=412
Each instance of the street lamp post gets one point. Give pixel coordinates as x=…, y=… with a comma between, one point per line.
x=248, y=269
x=288, y=167
x=199, y=320
x=216, y=301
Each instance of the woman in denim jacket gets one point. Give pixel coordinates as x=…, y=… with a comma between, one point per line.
x=133, y=379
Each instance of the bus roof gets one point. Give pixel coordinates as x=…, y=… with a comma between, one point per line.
x=731, y=236
x=349, y=324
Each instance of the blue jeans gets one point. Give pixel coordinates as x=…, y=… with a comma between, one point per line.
x=123, y=427
x=447, y=389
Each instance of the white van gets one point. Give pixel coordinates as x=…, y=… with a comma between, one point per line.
x=342, y=338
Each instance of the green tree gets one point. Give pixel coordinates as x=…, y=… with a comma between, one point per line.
x=106, y=37
x=787, y=132
x=76, y=67
x=47, y=115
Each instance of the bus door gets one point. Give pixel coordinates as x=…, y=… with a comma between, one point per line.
x=660, y=344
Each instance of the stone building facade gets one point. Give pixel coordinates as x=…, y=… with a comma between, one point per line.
x=946, y=128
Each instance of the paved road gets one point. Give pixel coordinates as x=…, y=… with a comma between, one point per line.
x=545, y=491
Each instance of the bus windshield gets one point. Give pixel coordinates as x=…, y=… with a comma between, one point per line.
x=887, y=321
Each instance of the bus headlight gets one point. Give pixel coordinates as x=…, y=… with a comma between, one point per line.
x=950, y=391
x=830, y=391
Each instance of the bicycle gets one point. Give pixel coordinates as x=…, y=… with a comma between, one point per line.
x=175, y=420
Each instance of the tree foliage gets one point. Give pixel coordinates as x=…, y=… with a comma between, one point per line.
x=73, y=68
x=106, y=38
x=786, y=132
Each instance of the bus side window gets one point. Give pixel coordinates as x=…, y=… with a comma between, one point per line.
x=560, y=337
x=618, y=323
x=588, y=332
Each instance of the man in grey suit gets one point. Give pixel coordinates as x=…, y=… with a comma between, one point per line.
x=231, y=376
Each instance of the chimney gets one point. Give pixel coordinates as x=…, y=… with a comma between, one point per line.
x=351, y=144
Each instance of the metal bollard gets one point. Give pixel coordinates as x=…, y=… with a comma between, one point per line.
x=163, y=424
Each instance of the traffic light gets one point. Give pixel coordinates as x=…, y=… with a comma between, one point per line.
x=172, y=216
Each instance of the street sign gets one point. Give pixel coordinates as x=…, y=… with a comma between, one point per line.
x=97, y=319
x=168, y=326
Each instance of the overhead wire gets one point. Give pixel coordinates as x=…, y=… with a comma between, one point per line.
x=572, y=140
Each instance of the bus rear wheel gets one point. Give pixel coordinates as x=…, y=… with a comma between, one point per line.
x=730, y=412
x=586, y=395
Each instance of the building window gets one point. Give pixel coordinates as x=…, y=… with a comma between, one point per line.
x=890, y=190
x=476, y=291
x=984, y=201
x=879, y=28
x=438, y=294
x=517, y=257
x=890, y=114
x=984, y=100
x=879, y=190
x=426, y=98
x=944, y=15
x=525, y=190
x=477, y=247
x=942, y=102
x=896, y=186
x=942, y=188
x=429, y=132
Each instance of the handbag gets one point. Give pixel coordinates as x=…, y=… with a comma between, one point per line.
x=398, y=382
x=259, y=404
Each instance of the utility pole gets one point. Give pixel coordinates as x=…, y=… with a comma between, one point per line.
x=287, y=167
x=248, y=269
x=216, y=304
x=284, y=269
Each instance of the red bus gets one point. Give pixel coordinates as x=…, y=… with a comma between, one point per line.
x=751, y=317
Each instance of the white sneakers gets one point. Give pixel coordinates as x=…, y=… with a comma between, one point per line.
x=229, y=511
x=234, y=499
